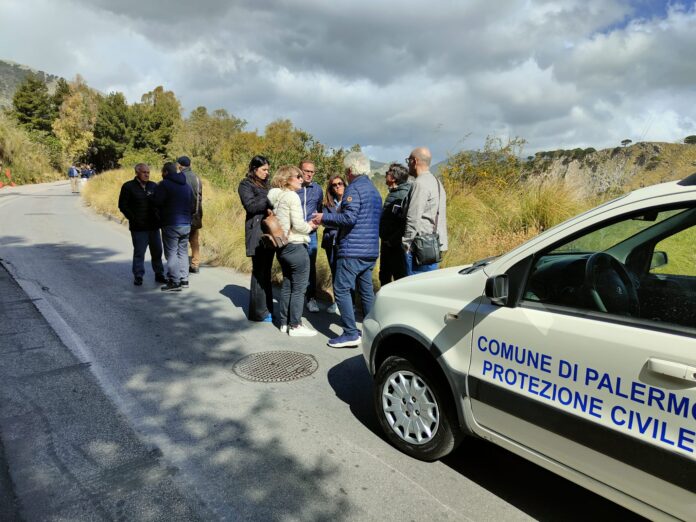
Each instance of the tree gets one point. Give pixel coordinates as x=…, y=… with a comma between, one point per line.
x=626, y=142
x=155, y=120
x=62, y=91
x=690, y=140
x=32, y=105
x=497, y=164
x=111, y=132
x=75, y=124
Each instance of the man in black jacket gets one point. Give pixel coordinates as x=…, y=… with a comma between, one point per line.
x=392, y=224
x=135, y=202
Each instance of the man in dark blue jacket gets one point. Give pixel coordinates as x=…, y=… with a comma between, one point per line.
x=136, y=203
x=311, y=197
x=358, y=245
x=174, y=198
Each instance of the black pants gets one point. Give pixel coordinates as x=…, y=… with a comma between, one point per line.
x=260, y=289
x=392, y=264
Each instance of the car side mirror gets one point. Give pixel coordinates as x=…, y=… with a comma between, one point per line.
x=659, y=258
x=497, y=289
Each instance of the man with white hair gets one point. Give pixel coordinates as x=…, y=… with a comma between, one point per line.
x=358, y=245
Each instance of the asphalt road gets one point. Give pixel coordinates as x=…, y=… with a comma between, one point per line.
x=309, y=449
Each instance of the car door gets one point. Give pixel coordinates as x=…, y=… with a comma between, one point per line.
x=610, y=393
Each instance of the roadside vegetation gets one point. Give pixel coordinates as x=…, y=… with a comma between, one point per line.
x=496, y=198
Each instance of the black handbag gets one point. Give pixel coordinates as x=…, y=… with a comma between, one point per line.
x=426, y=247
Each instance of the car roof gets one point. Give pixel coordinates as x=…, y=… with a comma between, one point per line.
x=685, y=185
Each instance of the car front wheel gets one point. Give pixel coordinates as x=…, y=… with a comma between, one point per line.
x=414, y=410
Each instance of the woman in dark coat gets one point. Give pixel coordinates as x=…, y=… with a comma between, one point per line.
x=253, y=192
x=329, y=241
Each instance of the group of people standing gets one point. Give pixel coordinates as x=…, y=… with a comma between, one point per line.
x=174, y=206
x=354, y=221
x=78, y=172
x=351, y=212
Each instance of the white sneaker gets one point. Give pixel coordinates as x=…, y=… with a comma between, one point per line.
x=312, y=305
x=301, y=331
x=333, y=309
x=284, y=328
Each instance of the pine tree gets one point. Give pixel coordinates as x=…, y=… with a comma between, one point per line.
x=62, y=91
x=155, y=120
x=32, y=105
x=111, y=132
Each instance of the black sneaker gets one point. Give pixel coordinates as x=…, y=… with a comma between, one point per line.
x=159, y=278
x=138, y=281
x=184, y=284
x=171, y=286
x=193, y=270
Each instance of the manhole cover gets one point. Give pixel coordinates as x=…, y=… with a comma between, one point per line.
x=275, y=366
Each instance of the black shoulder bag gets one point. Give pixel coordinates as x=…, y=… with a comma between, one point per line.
x=426, y=247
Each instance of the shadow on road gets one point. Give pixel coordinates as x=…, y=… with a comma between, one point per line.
x=178, y=370
x=532, y=489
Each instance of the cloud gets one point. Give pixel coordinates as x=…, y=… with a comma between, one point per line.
x=389, y=75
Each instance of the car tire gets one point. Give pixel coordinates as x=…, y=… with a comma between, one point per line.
x=414, y=409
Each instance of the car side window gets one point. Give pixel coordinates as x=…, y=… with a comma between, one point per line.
x=642, y=266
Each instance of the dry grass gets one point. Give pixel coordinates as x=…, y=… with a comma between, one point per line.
x=482, y=222
x=27, y=161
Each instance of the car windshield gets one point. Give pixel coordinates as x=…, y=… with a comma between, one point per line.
x=606, y=237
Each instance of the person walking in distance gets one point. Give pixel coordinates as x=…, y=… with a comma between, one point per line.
x=174, y=198
x=311, y=196
x=392, y=224
x=427, y=209
x=358, y=245
x=136, y=203
x=74, y=176
x=293, y=257
x=193, y=181
x=253, y=193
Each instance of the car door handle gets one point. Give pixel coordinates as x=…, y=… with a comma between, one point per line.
x=672, y=369
x=449, y=317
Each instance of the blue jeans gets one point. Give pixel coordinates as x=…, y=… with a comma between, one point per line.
x=312, y=250
x=294, y=262
x=350, y=271
x=141, y=241
x=412, y=268
x=175, y=238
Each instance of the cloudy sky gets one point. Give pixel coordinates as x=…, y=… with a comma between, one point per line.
x=387, y=74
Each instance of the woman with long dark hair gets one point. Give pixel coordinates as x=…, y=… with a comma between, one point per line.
x=253, y=192
x=329, y=241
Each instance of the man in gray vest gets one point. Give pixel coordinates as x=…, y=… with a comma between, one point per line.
x=193, y=181
x=427, y=208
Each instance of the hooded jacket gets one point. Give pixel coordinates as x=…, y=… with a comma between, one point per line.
x=174, y=198
x=358, y=220
x=311, y=197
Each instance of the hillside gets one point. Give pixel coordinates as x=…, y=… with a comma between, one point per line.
x=615, y=170
x=12, y=74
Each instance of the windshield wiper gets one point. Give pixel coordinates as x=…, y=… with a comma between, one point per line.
x=478, y=265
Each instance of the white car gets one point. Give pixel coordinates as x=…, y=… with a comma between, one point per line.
x=576, y=350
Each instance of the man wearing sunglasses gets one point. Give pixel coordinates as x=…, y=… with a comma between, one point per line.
x=311, y=197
